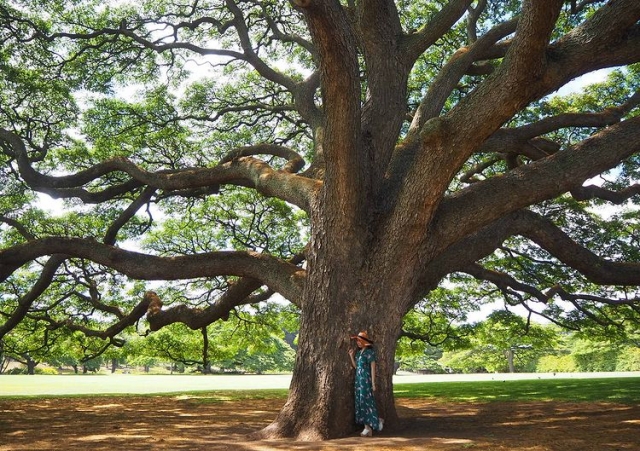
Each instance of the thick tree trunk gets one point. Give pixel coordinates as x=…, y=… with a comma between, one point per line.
x=321, y=398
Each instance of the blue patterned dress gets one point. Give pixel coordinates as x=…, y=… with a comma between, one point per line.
x=366, y=411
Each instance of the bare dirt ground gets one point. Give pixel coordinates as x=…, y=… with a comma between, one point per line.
x=188, y=423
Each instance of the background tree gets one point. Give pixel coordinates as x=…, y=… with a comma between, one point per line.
x=504, y=342
x=251, y=340
x=406, y=140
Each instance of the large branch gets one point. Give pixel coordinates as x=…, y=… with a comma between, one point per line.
x=346, y=174
x=387, y=72
x=511, y=86
x=443, y=145
x=239, y=292
x=464, y=253
x=463, y=256
x=282, y=277
x=598, y=270
x=449, y=77
x=236, y=295
x=611, y=37
x=486, y=201
x=236, y=169
x=528, y=140
x=530, y=70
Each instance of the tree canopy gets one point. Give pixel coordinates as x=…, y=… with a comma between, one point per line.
x=357, y=158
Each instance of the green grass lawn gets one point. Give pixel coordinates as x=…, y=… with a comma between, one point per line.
x=623, y=390
x=129, y=384
x=612, y=389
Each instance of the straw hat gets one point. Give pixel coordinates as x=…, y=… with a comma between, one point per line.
x=363, y=337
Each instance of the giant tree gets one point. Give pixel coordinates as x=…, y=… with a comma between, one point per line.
x=417, y=139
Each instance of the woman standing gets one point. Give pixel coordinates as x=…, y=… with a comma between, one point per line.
x=364, y=362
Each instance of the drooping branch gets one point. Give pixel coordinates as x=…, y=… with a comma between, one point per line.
x=239, y=292
x=126, y=215
x=236, y=295
x=598, y=270
x=597, y=192
x=575, y=297
x=22, y=230
x=548, y=236
x=429, y=336
x=587, y=304
x=110, y=332
x=282, y=277
x=463, y=254
x=504, y=282
x=25, y=302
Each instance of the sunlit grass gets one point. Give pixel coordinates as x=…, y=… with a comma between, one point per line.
x=241, y=388
x=623, y=390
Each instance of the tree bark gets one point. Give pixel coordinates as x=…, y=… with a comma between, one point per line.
x=344, y=294
x=320, y=404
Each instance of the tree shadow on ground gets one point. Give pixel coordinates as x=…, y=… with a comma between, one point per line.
x=194, y=423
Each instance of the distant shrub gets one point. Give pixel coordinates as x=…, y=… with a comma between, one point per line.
x=556, y=364
x=628, y=359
